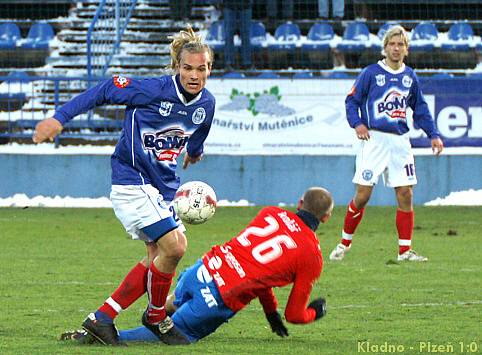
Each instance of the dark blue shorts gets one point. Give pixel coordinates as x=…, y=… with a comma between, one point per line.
x=200, y=308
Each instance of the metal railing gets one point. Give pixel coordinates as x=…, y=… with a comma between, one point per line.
x=105, y=34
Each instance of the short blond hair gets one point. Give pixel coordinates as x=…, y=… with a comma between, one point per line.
x=318, y=201
x=190, y=41
x=393, y=31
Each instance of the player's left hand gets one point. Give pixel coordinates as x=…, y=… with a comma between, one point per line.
x=276, y=324
x=319, y=305
x=190, y=160
x=437, y=146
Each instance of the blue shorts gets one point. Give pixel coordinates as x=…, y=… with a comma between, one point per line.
x=200, y=308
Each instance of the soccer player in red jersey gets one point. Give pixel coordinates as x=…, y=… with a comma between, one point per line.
x=277, y=248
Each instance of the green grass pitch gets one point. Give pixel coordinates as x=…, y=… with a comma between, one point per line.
x=57, y=265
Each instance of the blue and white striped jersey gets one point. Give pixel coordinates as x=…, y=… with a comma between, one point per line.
x=158, y=125
x=380, y=97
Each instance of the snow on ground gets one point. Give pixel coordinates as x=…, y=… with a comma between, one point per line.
x=461, y=198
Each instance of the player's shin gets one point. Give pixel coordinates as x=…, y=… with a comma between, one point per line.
x=158, y=285
x=353, y=217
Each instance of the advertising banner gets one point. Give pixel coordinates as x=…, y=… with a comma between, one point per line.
x=307, y=117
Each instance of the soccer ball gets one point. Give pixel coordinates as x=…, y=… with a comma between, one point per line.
x=195, y=202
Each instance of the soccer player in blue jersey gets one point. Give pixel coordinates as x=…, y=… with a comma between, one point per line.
x=376, y=109
x=163, y=117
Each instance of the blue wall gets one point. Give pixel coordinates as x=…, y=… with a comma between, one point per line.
x=259, y=179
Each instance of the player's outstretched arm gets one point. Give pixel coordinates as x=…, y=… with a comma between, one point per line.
x=190, y=160
x=276, y=323
x=46, y=129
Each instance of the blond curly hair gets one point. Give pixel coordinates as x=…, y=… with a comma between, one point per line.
x=190, y=41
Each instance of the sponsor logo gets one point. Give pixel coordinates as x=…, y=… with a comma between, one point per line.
x=407, y=81
x=121, y=81
x=166, y=145
x=198, y=115
x=184, y=113
x=367, y=175
x=393, y=105
x=165, y=108
x=380, y=78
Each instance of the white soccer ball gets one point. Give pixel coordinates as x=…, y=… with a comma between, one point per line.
x=195, y=202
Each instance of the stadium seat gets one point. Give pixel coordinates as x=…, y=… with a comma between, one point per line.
x=423, y=37
x=356, y=41
x=355, y=38
x=234, y=75
x=316, y=50
x=268, y=75
x=303, y=75
x=38, y=36
x=9, y=35
x=338, y=75
x=216, y=36
x=442, y=75
x=13, y=92
x=282, y=50
x=257, y=35
x=459, y=38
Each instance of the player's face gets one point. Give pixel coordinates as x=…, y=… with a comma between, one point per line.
x=396, y=49
x=194, y=70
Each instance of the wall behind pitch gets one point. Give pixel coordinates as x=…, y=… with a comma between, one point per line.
x=258, y=179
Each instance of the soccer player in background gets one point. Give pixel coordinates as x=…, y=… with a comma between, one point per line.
x=376, y=108
x=163, y=116
x=277, y=248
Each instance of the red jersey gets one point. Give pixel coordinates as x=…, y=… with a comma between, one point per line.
x=276, y=249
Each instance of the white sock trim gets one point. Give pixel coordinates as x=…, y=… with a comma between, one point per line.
x=346, y=235
x=405, y=242
x=116, y=306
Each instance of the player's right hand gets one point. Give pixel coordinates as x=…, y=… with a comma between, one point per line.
x=276, y=324
x=319, y=305
x=46, y=129
x=362, y=132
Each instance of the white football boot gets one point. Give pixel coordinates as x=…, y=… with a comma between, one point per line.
x=339, y=252
x=410, y=255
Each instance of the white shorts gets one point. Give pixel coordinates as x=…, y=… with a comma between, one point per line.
x=385, y=153
x=143, y=212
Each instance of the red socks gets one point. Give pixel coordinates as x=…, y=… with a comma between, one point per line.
x=404, y=221
x=158, y=285
x=352, y=219
x=132, y=287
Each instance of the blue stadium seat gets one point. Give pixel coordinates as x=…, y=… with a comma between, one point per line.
x=282, y=51
x=234, y=75
x=442, y=75
x=303, y=75
x=355, y=38
x=423, y=37
x=268, y=75
x=39, y=36
x=216, y=37
x=338, y=75
x=287, y=35
x=319, y=37
x=13, y=92
x=459, y=37
x=9, y=35
x=257, y=35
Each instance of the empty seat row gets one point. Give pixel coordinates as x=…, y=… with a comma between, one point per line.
x=288, y=35
x=38, y=37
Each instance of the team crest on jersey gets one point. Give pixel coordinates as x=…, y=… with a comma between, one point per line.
x=199, y=115
x=367, y=175
x=165, y=108
x=407, y=81
x=380, y=79
x=121, y=81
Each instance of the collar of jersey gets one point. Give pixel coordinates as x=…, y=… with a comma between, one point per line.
x=390, y=70
x=181, y=97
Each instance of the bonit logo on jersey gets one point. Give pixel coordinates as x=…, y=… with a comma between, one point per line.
x=392, y=105
x=165, y=145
